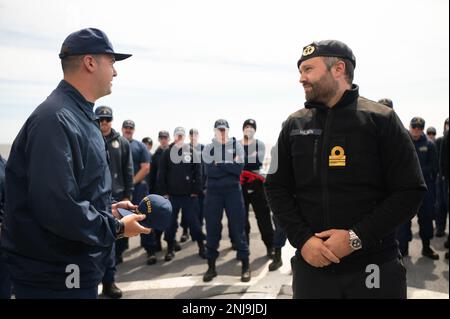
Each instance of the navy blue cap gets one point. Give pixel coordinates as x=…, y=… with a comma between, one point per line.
x=128, y=123
x=387, y=102
x=157, y=209
x=418, y=121
x=89, y=41
x=221, y=124
x=104, y=112
x=329, y=48
x=250, y=122
x=163, y=133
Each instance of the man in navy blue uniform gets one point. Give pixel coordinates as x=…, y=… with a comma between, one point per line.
x=154, y=187
x=441, y=192
x=193, y=138
x=5, y=282
x=224, y=159
x=59, y=223
x=180, y=180
x=426, y=151
x=121, y=167
x=141, y=167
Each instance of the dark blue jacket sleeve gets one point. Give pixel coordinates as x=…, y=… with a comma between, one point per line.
x=127, y=166
x=162, y=171
x=56, y=164
x=234, y=168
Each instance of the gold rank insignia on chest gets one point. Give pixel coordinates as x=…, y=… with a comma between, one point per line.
x=337, y=157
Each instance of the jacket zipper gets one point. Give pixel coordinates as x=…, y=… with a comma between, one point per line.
x=325, y=195
x=315, y=155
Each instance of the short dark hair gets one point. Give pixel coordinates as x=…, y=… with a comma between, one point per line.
x=349, y=68
x=73, y=62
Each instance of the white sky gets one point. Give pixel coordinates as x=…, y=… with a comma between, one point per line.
x=196, y=61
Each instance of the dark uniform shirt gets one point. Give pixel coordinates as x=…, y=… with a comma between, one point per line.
x=443, y=157
x=426, y=151
x=224, y=164
x=2, y=186
x=58, y=186
x=140, y=155
x=352, y=166
x=121, y=166
x=254, y=155
x=153, y=185
x=180, y=177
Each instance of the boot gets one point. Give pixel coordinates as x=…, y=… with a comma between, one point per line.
x=276, y=262
x=176, y=246
x=151, y=258
x=245, y=275
x=211, y=272
x=112, y=291
x=201, y=249
x=270, y=252
x=158, y=242
x=428, y=252
x=184, y=236
x=170, y=254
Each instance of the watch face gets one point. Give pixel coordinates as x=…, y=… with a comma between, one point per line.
x=356, y=244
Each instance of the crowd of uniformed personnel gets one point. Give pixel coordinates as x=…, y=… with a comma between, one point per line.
x=200, y=189
x=339, y=198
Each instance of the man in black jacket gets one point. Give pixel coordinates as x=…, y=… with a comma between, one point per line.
x=441, y=192
x=121, y=167
x=443, y=163
x=180, y=180
x=345, y=175
x=163, y=139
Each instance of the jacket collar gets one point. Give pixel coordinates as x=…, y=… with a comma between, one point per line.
x=349, y=97
x=86, y=106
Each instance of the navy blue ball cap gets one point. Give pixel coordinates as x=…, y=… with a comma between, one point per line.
x=250, y=122
x=104, y=112
x=328, y=48
x=158, y=210
x=89, y=41
x=418, y=122
x=221, y=123
x=128, y=123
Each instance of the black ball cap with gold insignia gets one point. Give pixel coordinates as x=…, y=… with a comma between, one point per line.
x=89, y=41
x=103, y=112
x=329, y=48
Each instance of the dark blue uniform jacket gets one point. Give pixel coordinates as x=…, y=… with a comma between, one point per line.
x=426, y=151
x=224, y=164
x=58, y=194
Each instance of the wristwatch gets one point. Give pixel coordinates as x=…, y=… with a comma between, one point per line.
x=354, y=241
x=120, y=229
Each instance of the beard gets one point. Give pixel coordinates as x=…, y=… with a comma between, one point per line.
x=322, y=90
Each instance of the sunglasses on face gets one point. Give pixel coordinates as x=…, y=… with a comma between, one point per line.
x=417, y=126
x=105, y=119
x=431, y=133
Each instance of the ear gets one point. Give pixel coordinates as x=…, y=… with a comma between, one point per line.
x=339, y=69
x=89, y=63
